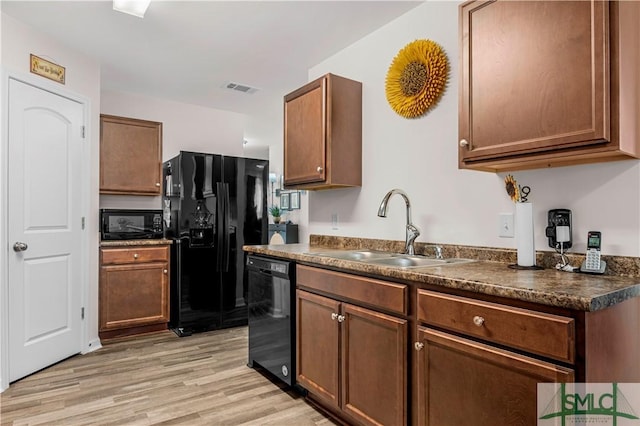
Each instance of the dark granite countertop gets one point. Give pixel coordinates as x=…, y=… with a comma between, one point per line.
x=129, y=243
x=545, y=286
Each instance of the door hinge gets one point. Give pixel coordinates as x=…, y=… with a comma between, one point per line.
x=82, y=131
x=83, y=221
x=82, y=313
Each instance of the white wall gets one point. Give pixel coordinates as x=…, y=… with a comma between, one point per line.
x=420, y=156
x=83, y=79
x=185, y=127
x=4, y=328
x=267, y=130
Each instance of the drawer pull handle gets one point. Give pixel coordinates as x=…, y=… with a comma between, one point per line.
x=464, y=143
x=334, y=316
x=165, y=271
x=319, y=169
x=135, y=255
x=478, y=320
x=341, y=318
x=158, y=184
x=419, y=346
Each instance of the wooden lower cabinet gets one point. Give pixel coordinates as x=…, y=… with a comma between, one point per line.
x=474, y=360
x=464, y=382
x=353, y=359
x=134, y=290
x=318, y=349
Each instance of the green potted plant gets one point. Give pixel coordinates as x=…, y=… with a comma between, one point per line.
x=276, y=213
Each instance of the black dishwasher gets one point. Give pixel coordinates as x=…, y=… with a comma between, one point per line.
x=272, y=316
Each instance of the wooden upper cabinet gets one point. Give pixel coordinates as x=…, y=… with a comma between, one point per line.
x=130, y=156
x=544, y=83
x=323, y=134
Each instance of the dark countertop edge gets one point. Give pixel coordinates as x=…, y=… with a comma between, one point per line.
x=559, y=299
x=129, y=243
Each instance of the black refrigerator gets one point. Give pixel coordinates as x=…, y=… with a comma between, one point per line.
x=212, y=206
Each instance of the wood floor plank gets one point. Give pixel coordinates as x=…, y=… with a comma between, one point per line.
x=157, y=379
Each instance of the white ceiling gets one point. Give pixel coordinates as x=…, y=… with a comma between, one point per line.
x=188, y=50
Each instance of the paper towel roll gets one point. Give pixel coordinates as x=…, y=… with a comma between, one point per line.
x=524, y=234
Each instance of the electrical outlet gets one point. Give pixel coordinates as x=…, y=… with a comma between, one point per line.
x=505, y=229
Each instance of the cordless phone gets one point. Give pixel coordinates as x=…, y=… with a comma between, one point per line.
x=592, y=263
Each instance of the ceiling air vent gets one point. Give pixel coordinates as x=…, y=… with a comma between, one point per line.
x=240, y=88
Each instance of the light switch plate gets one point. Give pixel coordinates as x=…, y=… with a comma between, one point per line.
x=334, y=220
x=505, y=226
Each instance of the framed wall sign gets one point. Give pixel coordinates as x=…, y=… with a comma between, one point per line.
x=47, y=69
x=284, y=201
x=295, y=200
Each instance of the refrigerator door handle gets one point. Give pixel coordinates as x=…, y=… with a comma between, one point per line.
x=220, y=232
x=227, y=237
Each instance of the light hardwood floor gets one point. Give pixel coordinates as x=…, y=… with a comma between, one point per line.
x=157, y=379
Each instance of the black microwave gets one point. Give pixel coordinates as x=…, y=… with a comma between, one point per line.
x=119, y=224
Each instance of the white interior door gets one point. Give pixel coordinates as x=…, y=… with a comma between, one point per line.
x=44, y=228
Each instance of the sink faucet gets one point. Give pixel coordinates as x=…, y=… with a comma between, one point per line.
x=412, y=231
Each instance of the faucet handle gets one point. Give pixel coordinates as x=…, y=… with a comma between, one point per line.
x=438, y=250
x=412, y=231
x=412, y=234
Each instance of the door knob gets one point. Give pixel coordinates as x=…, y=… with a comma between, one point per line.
x=319, y=169
x=18, y=246
x=464, y=143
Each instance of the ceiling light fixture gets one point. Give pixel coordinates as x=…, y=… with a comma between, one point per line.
x=132, y=7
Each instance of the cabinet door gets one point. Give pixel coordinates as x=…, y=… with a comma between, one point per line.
x=133, y=295
x=130, y=156
x=462, y=382
x=374, y=366
x=534, y=77
x=317, y=338
x=305, y=134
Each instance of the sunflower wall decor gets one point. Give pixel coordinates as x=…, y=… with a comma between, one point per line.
x=417, y=78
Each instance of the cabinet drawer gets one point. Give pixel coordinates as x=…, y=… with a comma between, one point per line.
x=381, y=294
x=112, y=256
x=536, y=332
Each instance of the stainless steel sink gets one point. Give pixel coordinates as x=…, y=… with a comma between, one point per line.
x=408, y=261
x=389, y=259
x=401, y=261
x=358, y=255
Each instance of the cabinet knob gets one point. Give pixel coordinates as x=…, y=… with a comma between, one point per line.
x=464, y=143
x=341, y=318
x=334, y=316
x=418, y=346
x=319, y=169
x=158, y=184
x=165, y=271
x=478, y=320
x=135, y=255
